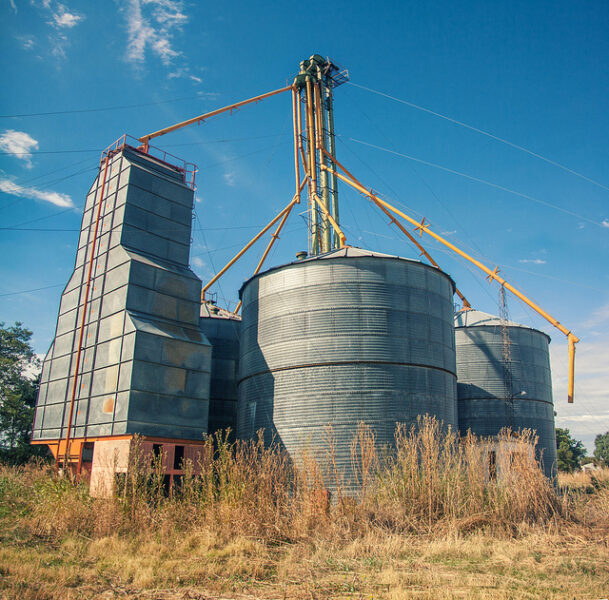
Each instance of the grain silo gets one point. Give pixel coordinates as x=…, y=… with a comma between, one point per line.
x=222, y=329
x=128, y=356
x=345, y=337
x=504, y=380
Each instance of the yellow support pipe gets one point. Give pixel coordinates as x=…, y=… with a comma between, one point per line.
x=146, y=138
x=423, y=227
x=247, y=247
x=296, y=131
x=466, y=304
x=328, y=216
x=300, y=134
x=274, y=237
x=312, y=168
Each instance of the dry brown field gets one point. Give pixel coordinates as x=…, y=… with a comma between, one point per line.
x=428, y=525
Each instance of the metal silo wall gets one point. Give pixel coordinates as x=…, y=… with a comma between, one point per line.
x=341, y=341
x=223, y=335
x=144, y=365
x=483, y=403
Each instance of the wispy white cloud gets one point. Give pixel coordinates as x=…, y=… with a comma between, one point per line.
x=208, y=95
x=59, y=43
x=168, y=12
x=61, y=19
x=64, y=19
x=151, y=27
x=183, y=73
x=27, y=41
x=532, y=261
x=162, y=47
x=599, y=317
x=605, y=223
x=197, y=262
x=18, y=143
x=230, y=178
x=13, y=5
x=10, y=187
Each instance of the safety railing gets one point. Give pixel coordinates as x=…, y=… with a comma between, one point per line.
x=186, y=169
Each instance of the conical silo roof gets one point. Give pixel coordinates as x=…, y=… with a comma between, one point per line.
x=478, y=318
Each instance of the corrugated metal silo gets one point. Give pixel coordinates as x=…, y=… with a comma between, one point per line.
x=222, y=328
x=346, y=337
x=496, y=390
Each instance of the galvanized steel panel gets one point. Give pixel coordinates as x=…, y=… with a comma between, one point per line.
x=346, y=338
x=145, y=363
x=484, y=404
x=223, y=333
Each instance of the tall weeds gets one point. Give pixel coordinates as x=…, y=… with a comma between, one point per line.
x=438, y=480
x=431, y=481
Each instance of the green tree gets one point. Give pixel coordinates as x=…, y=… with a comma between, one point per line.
x=18, y=391
x=569, y=451
x=601, y=448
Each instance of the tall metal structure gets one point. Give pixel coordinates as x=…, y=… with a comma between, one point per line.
x=128, y=356
x=314, y=86
x=315, y=81
x=131, y=354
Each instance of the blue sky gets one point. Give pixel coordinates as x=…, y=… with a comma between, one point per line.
x=532, y=73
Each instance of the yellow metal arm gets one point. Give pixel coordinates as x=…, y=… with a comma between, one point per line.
x=424, y=252
x=275, y=235
x=146, y=138
x=239, y=254
x=422, y=227
x=334, y=224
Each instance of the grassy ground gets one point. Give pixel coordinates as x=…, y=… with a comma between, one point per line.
x=536, y=565
x=239, y=536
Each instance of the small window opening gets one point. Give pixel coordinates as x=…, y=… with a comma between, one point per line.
x=157, y=453
x=178, y=458
x=87, y=452
x=166, y=485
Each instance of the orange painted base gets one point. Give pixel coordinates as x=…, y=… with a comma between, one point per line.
x=99, y=458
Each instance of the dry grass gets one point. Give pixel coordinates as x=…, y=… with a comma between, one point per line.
x=428, y=524
x=581, y=479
